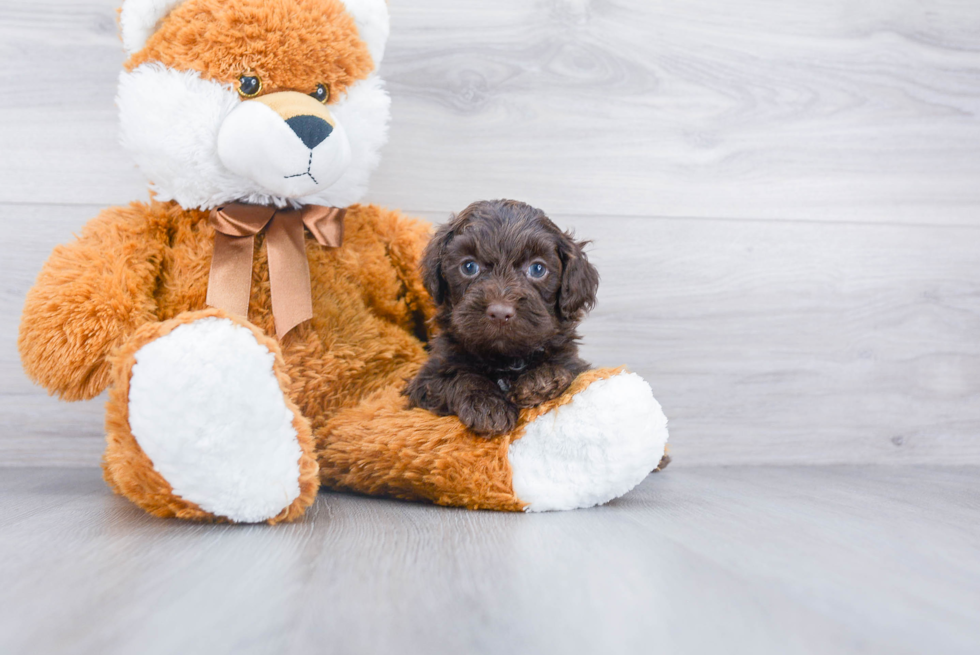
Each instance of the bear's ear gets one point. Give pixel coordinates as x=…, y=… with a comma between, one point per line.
x=371, y=17
x=139, y=19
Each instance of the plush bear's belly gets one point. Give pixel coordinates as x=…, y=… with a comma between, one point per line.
x=363, y=333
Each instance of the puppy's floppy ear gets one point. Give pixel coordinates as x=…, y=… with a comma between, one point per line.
x=431, y=264
x=579, y=279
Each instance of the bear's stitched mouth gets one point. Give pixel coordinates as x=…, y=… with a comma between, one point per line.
x=307, y=172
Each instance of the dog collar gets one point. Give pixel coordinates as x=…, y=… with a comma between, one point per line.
x=517, y=365
x=512, y=366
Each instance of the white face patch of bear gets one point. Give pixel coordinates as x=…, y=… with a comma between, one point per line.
x=172, y=122
x=293, y=157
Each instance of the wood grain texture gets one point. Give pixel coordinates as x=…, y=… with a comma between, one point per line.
x=38, y=428
x=698, y=560
x=821, y=111
x=796, y=342
x=765, y=341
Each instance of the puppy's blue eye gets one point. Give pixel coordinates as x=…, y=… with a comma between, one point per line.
x=469, y=268
x=537, y=270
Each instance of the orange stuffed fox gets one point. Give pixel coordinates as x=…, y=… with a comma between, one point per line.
x=253, y=324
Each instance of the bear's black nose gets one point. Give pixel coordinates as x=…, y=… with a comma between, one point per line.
x=311, y=130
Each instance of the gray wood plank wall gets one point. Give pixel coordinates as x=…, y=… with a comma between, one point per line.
x=784, y=199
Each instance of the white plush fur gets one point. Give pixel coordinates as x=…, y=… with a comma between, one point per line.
x=372, y=21
x=139, y=19
x=594, y=449
x=364, y=112
x=171, y=119
x=256, y=143
x=207, y=409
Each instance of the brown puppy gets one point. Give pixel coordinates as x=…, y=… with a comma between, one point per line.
x=510, y=289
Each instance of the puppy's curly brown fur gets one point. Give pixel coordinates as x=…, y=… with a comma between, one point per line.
x=510, y=289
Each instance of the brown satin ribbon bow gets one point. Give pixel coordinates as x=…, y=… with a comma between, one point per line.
x=230, y=281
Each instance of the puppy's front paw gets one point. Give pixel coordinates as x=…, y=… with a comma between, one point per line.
x=541, y=385
x=488, y=414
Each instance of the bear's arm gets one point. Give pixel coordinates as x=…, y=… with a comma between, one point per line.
x=408, y=303
x=90, y=296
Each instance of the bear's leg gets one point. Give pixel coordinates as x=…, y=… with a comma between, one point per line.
x=199, y=427
x=594, y=443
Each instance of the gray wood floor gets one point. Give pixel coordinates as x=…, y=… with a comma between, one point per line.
x=757, y=560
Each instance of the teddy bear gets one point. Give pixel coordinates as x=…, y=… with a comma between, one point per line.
x=254, y=324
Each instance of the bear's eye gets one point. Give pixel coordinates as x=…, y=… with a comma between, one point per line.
x=322, y=93
x=469, y=268
x=249, y=86
x=537, y=270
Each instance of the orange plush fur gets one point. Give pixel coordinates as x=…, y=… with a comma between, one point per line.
x=326, y=51
x=417, y=455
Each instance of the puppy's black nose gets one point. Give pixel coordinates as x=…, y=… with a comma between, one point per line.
x=500, y=312
x=311, y=130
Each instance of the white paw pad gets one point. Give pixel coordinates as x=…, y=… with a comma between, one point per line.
x=596, y=448
x=206, y=408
